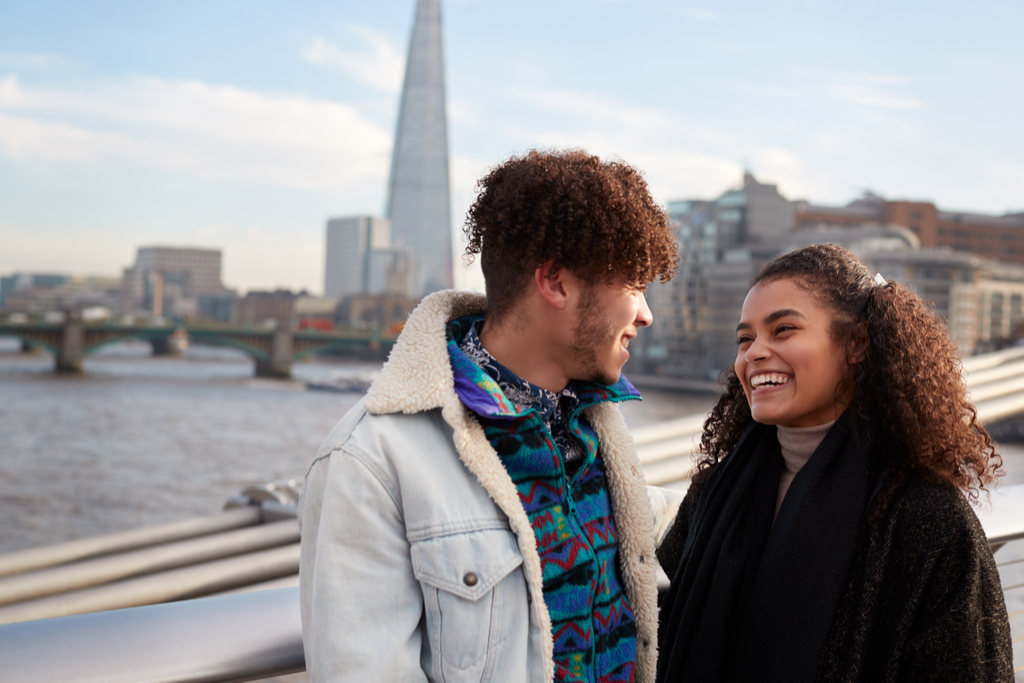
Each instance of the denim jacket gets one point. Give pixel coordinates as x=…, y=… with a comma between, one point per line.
x=418, y=561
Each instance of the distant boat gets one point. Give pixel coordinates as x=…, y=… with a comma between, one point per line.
x=356, y=386
x=178, y=341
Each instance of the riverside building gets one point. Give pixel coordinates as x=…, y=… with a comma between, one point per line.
x=995, y=237
x=178, y=282
x=725, y=241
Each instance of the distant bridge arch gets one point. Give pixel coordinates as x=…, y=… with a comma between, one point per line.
x=273, y=349
x=71, y=340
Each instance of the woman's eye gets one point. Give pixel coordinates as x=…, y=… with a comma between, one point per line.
x=743, y=340
x=784, y=328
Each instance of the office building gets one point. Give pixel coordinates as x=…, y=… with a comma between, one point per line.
x=1000, y=238
x=266, y=309
x=358, y=249
x=171, y=281
x=688, y=311
x=37, y=293
x=724, y=242
x=418, y=199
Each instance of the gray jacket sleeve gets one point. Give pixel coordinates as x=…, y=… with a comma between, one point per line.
x=361, y=603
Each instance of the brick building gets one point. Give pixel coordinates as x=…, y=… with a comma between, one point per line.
x=999, y=238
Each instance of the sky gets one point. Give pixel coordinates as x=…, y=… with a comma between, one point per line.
x=244, y=126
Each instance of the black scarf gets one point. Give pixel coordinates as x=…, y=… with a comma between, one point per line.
x=752, y=600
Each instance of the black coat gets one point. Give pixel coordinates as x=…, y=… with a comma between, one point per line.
x=922, y=600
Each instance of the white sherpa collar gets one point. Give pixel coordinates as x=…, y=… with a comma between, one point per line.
x=418, y=374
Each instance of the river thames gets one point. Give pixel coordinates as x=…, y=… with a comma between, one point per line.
x=139, y=440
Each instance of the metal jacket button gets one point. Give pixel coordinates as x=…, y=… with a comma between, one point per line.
x=470, y=579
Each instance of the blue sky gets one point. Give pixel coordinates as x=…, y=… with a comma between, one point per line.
x=244, y=125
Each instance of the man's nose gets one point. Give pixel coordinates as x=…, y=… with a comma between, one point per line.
x=644, y=317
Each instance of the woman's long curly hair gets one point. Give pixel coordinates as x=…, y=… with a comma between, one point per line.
x=909, y=393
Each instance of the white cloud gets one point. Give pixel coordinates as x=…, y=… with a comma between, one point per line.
x=211, y=132
x=870, y=96
x=28, y=250
x=462, y=112
x=33, y=61
x=1007, y=181
x=30, y=140
x=374, y=61
x=869, y=78
x=872, y=91
x=259, y=257
x=677, y=158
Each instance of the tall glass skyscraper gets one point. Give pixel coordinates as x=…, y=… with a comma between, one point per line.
x=418, y=194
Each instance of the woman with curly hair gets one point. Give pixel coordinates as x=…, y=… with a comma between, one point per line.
x=827, y=534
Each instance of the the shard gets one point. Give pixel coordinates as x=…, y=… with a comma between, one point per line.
x=418, y=195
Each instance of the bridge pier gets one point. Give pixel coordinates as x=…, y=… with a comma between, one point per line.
x=280, y=364
x=162, y=346
x=72, y=346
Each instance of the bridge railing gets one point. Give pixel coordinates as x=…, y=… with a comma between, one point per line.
x=236, y=637
x=995, y=382
x=228, y=638
x=255, y=541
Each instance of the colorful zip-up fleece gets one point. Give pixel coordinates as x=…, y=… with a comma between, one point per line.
x=553, y=458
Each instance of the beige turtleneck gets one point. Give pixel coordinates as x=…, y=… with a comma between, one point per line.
x=798, y=445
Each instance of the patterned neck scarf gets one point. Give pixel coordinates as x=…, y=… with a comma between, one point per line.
x=554, y=408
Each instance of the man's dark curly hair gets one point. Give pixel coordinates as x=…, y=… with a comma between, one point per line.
x=595, y=218
x=909, y=393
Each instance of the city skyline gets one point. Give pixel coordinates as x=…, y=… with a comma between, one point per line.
x=246, y=130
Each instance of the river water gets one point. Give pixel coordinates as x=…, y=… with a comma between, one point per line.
x=138, y=440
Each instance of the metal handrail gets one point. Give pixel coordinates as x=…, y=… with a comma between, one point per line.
x=229, y=638
x=60, y=553
x=995, y=382
x=235, y=637
x=178, y=584
x=159, y=558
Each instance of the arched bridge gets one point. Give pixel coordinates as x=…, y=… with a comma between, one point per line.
x=274, y=349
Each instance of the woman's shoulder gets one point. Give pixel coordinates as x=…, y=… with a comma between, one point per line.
x=922, y=509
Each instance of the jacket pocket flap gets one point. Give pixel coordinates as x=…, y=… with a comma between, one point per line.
x=467, y=564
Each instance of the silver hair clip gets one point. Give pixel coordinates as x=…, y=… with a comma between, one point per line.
x=879, y=280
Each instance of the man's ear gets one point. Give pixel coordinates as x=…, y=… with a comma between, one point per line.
x=551, y=284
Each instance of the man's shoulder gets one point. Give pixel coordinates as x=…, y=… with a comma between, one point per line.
x=342, y=429
x=389, y=448
x=365, y=428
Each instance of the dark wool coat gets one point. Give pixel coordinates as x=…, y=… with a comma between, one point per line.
x=922, y=602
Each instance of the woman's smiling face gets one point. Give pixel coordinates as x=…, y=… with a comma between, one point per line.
x=787, y=360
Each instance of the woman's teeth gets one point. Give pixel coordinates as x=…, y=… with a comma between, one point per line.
x=769, y=379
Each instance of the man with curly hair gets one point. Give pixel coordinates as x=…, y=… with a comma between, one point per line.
x=481, y=514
